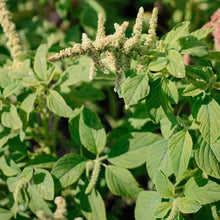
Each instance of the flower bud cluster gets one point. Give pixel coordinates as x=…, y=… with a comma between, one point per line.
x=115, y=49
x=9, y=30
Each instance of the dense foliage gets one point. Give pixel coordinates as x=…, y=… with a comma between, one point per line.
x=114, y=125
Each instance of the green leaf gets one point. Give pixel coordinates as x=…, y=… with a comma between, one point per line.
x=178, y=31
x=195, y=88
x=146, y=204
x=158, y=159
x=57, y=105
x=40, y=62
x=215, y=55
x=11, y=119
x=163, y=185
x=168, y=125
x=92, y=134
x=8, y=166
x=170, y=89
x=36, y=202
x=27, y=173
x=209, y=118
x=5, y=214
x=43, y=184
x=216, y=149
x=28, y=102
x=11, y=89
x=14, y=183
x=175, y=65
x=204, y=191
x=91, y=205
x=121, y=182
x=135, y=88
x=201, y=33
x=68, y=169
x=206, y=159
x=129, y=147
x=158, y=64
x=162, y=209
x=187, y=205
x=180, y=148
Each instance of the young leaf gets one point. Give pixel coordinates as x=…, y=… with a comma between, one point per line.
x=187, y=205
x=92, y=134
x=135, y=88
x=27, y=173
x=129, y=147
x=180, y=148
x=201, y=33
x=40, y=63
x=204, y=191
x=68, y=169
x=8, y=166
x=5, y=214
x=43, y=184
x=28, y=102
x=175, y=64
x=206, y=159
x=121, y=182
x=11, y=89
x=146, y=204
x=57, y=104
x=158, y=159
x=209, y=118
x=170, y=89
x=195, y=88
x=158, y=64
x=162, y=209
x=11, y=119
x=168, y=125
x=163, y=185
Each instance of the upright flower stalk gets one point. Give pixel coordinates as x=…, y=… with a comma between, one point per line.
x=10, y=31
x=115, y=49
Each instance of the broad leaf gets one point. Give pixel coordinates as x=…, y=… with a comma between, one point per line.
x=146, y=204
x=11, y=89
x=135, y=88
x=201, y=33
x=92, y=134
x=40, y=64
x=8, y=166
x=204, y=191
x=187, y=205
x=162, y=209
x=158, y=64
x=175, y=64
x=206, y=159
x=209, y=118
x=27, y=173
x=28, y=102
x=158, y=159
x=180, y=148
x=68, y=169
x=121, y=182
x=5, y=214
x=195, y=88
x=163, y=185
x=216, y=149
x=170, y=89
x=57, y=104
x=128, y=148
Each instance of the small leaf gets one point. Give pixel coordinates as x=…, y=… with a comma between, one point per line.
x=201, y=33
x=121, y=182
x=43, y=184
x=175, y=65
x=162, y=209
x=146, y=204
x=57, y=105
x=216, y=149
x=187, y=205
x=129, y=147
x=11, y=119
x=5, y=214
x=92, y=134
x=180, y=148
x=11, y=89
x=8, y=166
x=209, y=118
x=27, y=173
x=158, y=64
x=28, y=103
x=163, y=185
x=170, y=89
x=68, y=169
x=40, y=64
x=202, y=190
x=195, y=88
x=206, y=159
x=135, y=88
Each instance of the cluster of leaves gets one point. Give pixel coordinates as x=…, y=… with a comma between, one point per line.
x=171, y=134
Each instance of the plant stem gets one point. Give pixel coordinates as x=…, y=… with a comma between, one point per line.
x=46, y=130
x=54, y=134
x=174, y=210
